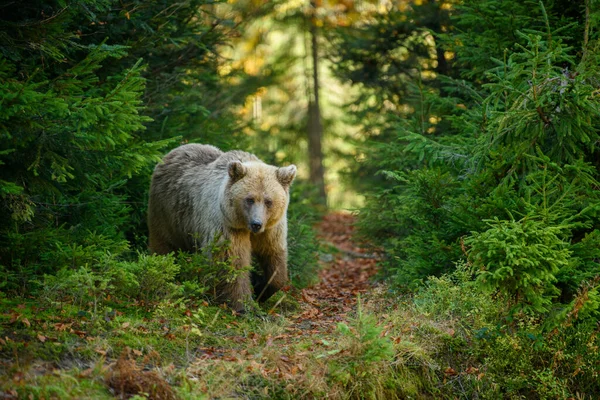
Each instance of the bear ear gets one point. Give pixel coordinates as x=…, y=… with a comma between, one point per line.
x=236, y=171
x=285, y=175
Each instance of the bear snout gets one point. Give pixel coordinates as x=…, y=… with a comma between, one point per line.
x=256, y=226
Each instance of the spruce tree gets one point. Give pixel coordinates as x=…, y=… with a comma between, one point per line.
x=92, y=93
x=500, y=148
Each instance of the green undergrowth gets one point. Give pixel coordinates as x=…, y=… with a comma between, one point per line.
x=449, y=340
x=116, y=315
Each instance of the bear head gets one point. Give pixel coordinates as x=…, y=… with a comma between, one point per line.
x=258, y=194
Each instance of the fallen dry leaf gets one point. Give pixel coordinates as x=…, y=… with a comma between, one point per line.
x=307, y=298
x=472, y=370
x=59, y=326
x=86, y=373
x=14, y=317
x=450, y=372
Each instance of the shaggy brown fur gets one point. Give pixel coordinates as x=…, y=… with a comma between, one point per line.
x=199, y=192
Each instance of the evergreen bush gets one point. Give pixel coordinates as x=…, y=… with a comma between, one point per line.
x=508, y=132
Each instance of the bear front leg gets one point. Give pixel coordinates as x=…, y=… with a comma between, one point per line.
x=275, y=277
x=270, y=249
x=236, y=290
x=158, y=244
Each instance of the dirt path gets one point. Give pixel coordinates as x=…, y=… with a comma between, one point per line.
x=343, y=277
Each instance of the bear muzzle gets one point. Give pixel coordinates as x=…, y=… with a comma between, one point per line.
x=256, y=226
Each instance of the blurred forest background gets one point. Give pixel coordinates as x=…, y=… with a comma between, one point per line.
x=464, y=135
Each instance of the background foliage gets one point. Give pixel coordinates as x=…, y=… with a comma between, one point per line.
x=506, y=131
x=481, y=125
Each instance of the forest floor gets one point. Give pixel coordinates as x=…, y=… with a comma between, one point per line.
x=307, y=343
x=345, y=337
x=345, y=276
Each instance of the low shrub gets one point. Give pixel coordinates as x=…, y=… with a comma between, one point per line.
x=493, y=352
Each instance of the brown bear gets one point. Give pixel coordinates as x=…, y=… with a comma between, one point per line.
x=199, y=193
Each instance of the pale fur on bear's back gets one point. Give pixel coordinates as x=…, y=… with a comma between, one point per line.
x=185, y=188
x=199, y=192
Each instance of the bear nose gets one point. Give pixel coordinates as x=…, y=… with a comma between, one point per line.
x=255, y=226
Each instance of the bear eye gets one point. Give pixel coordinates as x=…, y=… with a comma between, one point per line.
x=249, y=200
x=268, y=202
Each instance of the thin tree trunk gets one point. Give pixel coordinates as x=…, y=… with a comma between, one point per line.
x=315, y=128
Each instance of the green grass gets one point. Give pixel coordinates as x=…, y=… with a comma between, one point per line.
x=202, y=352
x=39, y=381
x=450, y=340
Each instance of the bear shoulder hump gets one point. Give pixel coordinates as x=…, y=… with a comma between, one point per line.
x=193, y=154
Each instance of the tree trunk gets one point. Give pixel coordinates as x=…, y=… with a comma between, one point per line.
x=315, y=128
